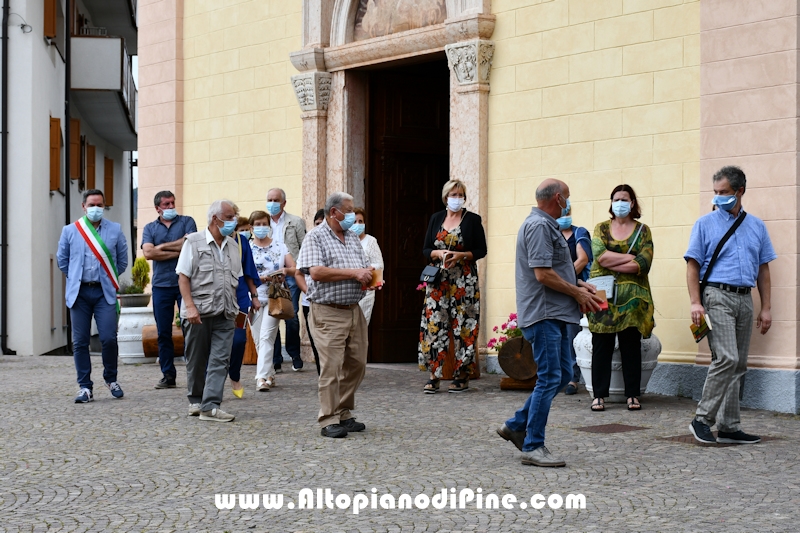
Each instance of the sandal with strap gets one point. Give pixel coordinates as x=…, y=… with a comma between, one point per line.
x=431, y=386
x=598, y=405
x=633, y=404
x=459, y=385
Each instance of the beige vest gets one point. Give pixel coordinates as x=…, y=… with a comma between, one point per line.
x=213, y=282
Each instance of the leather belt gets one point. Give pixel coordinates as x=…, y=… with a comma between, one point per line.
x=90, y=283
x=339, y=306
x=730, y=288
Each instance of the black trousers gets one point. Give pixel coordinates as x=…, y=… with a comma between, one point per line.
x=630, y=347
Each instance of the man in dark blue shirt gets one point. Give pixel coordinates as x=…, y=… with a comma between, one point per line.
x=162, y=241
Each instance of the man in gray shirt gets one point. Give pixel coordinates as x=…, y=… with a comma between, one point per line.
x=549, y=297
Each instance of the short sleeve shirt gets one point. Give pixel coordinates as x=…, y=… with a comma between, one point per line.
x=322, y=247
x=540, y=244
x=268, y=259
x=737, y=264
x=155, y=233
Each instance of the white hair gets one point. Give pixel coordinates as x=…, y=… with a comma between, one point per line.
x=216, y=208
x=283, y=193
x=336, y=200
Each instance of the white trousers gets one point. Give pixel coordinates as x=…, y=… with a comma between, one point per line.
x=268, y=330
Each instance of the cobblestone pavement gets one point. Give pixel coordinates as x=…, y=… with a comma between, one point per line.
x=140, y=464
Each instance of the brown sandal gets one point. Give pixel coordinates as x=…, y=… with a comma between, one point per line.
x=598, y=404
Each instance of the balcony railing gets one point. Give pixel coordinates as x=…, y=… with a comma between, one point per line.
x=118, y=16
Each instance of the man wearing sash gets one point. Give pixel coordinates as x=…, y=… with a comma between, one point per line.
x=92, y=253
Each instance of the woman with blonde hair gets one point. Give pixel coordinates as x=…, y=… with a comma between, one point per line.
x=455, y=241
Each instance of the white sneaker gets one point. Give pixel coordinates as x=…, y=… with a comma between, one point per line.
x=271, y=381
x=194, y=409
x=216, y=415
x=263, y=385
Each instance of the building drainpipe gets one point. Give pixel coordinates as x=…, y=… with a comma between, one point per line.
x=68, y=180
x=4, y=188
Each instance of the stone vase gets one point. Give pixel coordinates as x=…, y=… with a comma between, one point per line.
x=583, y=349
x=129, y=334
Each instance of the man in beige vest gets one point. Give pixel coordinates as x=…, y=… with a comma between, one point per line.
x=208, y=274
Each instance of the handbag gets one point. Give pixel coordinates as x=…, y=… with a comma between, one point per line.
x=279, y=301
x=431, y=275
x=717, y=250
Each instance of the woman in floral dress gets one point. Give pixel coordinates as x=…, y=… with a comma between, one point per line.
x=455, y=240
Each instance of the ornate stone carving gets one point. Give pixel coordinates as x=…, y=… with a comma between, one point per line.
x=313, y=90
x=471, y=61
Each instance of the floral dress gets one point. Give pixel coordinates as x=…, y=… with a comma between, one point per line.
x=452, y=306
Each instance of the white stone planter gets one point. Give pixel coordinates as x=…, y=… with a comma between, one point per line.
x=129, y=334
x=583, y=349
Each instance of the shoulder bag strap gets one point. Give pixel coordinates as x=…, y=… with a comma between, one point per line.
x=635, y=236
x=717, y=251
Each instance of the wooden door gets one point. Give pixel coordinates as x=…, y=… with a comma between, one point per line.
x=408, y=163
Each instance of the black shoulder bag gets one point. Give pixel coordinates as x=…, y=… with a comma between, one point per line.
x=432, y=274
x=714, y=257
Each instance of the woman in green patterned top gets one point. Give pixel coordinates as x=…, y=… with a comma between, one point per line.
x=622, y=248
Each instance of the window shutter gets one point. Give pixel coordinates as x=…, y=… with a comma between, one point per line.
x=74, y=148
x=91, y=174
x=108, y=183
x=50, y=18
x=55, y=154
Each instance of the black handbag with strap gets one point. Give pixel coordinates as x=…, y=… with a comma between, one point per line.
x=717, y=251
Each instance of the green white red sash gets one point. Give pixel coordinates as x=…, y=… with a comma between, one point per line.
x=99, y=249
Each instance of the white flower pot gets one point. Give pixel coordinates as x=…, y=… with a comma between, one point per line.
x=583, y=349
x=129, y=334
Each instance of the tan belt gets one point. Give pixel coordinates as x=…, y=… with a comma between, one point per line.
x=339, y=306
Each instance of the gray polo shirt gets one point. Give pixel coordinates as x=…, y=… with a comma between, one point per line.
x=541, y=244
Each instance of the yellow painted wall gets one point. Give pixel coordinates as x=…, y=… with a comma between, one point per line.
x=598, y=93
x=242, y=127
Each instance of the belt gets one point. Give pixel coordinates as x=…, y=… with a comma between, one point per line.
x=730, y=288
x=90, y=283
x=339, y=306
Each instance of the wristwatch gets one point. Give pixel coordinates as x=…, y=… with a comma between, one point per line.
x=254, y=296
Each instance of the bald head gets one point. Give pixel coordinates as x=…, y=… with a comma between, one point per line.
x=551, y=196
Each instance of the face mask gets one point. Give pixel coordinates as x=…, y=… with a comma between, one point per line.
x=169, y=214
x=228, y=227
x=94, y=213
x=455, y=204
x=245, y=235
x=349, y=220
x=621, y=208
x=724, y=202
x=273, y=208
x=358, y=229
x=262, y=232
x=566, y=209
x=564, y=222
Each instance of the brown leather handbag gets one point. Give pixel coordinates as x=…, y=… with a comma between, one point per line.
x=280, y=301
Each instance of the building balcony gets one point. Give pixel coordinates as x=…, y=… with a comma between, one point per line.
x=118, y=17
x=103, y=88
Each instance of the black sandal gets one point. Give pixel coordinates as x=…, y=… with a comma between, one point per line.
x=633, y=404
x=598, y=404
x=459, y=385
x=431, y=386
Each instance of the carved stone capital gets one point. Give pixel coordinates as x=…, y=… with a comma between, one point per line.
x=470, y=61
x=308, y=59
x=313, y=90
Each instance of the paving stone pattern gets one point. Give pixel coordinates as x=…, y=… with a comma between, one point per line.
x=140, y=464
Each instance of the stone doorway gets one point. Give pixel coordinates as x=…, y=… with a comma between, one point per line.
x=408, y=144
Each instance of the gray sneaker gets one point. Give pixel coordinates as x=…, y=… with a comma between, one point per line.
x=194, y=409
x=541, y=456
x=514, y=437
x=216, y=415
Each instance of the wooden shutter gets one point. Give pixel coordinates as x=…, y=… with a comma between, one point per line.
x=55, y=154
x=108, y=183
x=91, y=173
x=50, y=23
x=74, y=148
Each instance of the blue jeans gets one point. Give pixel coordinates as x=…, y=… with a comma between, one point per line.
x=91, y=301
x=164, y=299
x=550, y=340
x=292, y=332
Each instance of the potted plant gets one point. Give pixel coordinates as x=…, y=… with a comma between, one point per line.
x=132, y=294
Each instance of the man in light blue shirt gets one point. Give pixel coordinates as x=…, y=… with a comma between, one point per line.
x=742, y=264
x=92, y=253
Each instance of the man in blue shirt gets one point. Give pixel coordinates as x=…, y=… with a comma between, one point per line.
x=742, y=264
x=92, y=253
x=162, y=241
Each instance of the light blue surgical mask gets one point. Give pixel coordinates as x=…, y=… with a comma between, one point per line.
x=169, y=214
x=455, y=203
x=621, y=208
x=262, y=232
x=245, y=235
x=725, y=203
x=273, y=208
x=94, y=213
x=564, y=222
x=358, y=229
x=349, y=220
x=228, y=227
x=566, y=209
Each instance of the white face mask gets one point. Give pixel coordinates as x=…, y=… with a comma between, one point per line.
x=455, y=204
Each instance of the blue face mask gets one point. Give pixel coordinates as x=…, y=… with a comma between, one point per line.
x=273, y=208
x=349, y=220
x=358, y=229
x=621, y=208
x=245, y=235
x=725, y=203
x=262, y=232
x=564, y=222
x=94, y=213
x=169, y=214
x=566, y=209
x=228, y=227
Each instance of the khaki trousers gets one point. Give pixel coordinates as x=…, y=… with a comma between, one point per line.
x=341, y=339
